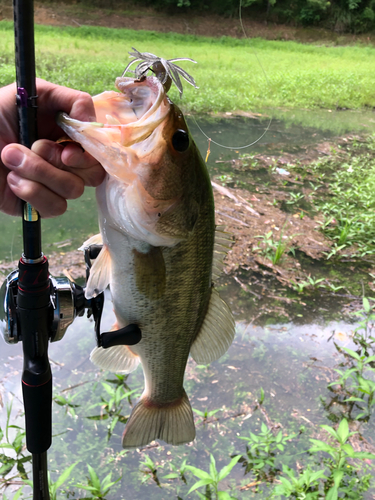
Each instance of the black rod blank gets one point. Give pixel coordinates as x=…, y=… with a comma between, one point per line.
x=27, y=109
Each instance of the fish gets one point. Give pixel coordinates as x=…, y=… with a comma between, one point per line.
x=161, y=254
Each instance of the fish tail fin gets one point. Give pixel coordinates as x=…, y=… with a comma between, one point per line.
x=173, y=423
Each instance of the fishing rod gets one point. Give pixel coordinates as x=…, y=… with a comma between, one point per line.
x=37, y=308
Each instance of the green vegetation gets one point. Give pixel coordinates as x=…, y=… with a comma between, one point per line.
x=272, y=248
x=341, y=15
x=228, y=73
x=212, y=479
x=346, y=199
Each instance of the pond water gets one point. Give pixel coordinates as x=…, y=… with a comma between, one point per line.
x=292, y=360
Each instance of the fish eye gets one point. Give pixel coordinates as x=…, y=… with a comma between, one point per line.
x=180, y=140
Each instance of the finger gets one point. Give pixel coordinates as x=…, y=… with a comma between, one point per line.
x=83, y=164
x=55, y=98
x=46, y=202
x=9, y=202
x=71, y=158
x=50, y=151
x=32, y=167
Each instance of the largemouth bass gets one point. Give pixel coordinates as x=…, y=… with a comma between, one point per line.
x=160, y=254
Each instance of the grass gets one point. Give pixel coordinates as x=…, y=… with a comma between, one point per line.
x=228, y=73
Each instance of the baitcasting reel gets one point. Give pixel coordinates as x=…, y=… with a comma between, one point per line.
x=67, y=301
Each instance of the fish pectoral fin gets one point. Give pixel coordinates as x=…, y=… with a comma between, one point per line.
x=99, y=274
x=223, y=243
x=173, y=423
x=118, y=359
x=217, y=332
x=97, y=239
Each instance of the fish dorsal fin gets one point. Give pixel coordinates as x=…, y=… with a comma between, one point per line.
x=217, y=332
x=99, y=274
x=223, y=243
x=93, y=240
x=118, y=359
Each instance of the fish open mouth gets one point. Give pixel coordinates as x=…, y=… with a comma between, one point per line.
x=139, y=100
x=128, y=116
x=124, y=119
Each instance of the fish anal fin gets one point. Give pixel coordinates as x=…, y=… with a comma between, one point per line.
x=172, y=423
x=118, y=359
x=216, y=333
x=222, y=244
x=99, y=274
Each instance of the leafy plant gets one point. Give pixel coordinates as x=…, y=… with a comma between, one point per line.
x=341, y=452
x=295, y=198
x=16, y=445
x=178, y=472
x=303, y=485
x=151, y=469
x=98, y=488
x=310, y=282
x=261, y=447
x=363, y=333
x=53, y=486
x=206, y=414
x=112, y=406
x=67, y=402
x=273, y=250
x=212, y=479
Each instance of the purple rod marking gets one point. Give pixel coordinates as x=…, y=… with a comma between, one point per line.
x=22, y=94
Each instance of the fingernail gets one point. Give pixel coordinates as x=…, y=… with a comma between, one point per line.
x=13, y=157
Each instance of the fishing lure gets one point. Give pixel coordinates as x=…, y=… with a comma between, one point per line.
x=164, y=69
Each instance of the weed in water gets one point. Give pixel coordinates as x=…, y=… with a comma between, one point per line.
x=53, y=486
x=97, y=488
x=261, y=448
x=150, y=470
x=16, y=445
x=341, y=456
x=360, y=386
x=61, y=400
x=177, y=472
x=206, y=414
x=112, y=407
x=302, y=485
x=363, y=333
x=310, y=283
x=212, y=479
x=334, y=252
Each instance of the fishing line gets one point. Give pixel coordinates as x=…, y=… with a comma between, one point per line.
x=268, y=83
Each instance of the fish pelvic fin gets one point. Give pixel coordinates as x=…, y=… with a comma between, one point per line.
x=172, y=423
x=100, y=273
x=97, y=239
x=222, y=244
x=118, y=359
x=216, y=333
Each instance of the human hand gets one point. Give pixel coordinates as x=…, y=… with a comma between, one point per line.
x=50, y=173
